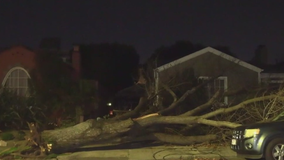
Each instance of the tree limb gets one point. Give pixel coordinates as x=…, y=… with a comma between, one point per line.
x=194, y=119
x=179, y=101
x=171, y=92
x=133, y=113
x=84, y=133
x=203, y=106
x=218, y=123
x=238, y=106
x=184, y=96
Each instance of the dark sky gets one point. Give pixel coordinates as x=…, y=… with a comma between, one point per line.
x=241, y=25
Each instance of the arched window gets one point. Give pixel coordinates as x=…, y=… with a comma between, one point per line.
x=16, y=80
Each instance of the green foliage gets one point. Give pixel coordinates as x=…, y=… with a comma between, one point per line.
x=57, y=88
x=52, y=79
x=8, y=151
x=51, y=156
x=67, y=123
x=7, y=136
x=16, y=111
x=54, y=87
x=20, y=135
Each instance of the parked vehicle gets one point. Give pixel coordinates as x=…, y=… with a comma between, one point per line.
x=260, y=140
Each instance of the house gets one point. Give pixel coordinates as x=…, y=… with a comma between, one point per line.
x=272, y=74
x=232, y=73
x=16, y=63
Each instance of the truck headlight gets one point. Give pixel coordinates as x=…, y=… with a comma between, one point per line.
x=251, y=132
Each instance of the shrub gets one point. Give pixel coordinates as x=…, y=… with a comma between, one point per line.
x=20, y=135
x=67, y=123
x=7, y=136
x=15, y=111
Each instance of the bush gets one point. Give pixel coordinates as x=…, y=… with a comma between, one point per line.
x=15, y=111
x=7, y=136
x=67, y=123
x=20, y=135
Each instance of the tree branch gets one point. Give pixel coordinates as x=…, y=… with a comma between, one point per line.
x=217, y=123
x=179, y=101
x=184, y=96
x=194, y=119
x=171, y=92
x=238, y=106
x=203, y=106
x=182, y=120
x=133, y=113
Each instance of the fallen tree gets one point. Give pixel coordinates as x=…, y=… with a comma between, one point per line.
x=129, y=127
x=136, y=125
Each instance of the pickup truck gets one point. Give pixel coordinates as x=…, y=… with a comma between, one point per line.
x=260, y=140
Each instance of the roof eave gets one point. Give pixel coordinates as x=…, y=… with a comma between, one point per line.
x=203, y=51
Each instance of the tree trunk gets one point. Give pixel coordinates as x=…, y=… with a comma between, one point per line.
x=85, y=133
x=93, y=131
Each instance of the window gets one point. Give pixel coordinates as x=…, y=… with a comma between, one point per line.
x=276, y=80
x=16, y=80
x=272, y=78
x=219, y=83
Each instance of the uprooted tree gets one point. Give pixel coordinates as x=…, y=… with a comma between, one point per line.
x=176, y=122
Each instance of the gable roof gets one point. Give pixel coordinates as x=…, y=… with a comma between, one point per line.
x=213, y=51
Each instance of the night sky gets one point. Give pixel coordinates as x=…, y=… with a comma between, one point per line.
x=241, y=25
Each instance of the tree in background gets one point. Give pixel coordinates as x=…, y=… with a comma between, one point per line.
x=114, y=65
x=55, y=89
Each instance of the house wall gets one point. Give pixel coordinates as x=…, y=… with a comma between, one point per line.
x=212, y=65
x=17, y=56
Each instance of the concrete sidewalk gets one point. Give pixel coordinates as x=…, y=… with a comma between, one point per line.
x=154, y=153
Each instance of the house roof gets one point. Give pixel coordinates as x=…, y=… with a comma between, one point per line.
x=3, y=49
x=213, y=51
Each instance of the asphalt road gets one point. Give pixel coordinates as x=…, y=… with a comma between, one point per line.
x=149, y=151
